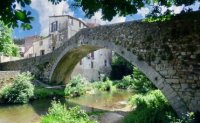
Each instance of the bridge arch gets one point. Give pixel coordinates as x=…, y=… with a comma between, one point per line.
x=75, y=51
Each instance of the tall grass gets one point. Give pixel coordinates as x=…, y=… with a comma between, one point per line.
x=58, y=113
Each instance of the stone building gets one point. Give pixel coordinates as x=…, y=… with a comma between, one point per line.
x=61, y=28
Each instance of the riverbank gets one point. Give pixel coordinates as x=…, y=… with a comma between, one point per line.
x=105, y=104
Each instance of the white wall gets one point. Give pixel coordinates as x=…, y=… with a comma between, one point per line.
x=43, y=44
x=8, y=58
x=93, y=74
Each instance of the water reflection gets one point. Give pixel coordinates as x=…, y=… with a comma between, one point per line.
x=29, y=113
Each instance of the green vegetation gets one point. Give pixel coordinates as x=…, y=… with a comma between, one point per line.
x=136, y=82
x=7, y=47
x=59, y=113
x=13, y=17
x=20, y=91
x=77, y=86
x=104, y=86
x=141, y=84
x=120, y=67
x=40, y=93
x=151, y=107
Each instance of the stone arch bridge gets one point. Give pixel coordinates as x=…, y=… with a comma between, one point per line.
x=168, y=53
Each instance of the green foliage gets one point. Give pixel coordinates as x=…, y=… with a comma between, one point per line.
x=58, y=113
x=11, y=16
x=14, y=17
x=150, y=108
x=120, y=67
x=76, y=86
x=6, y=43
x=20, y=91
x=136, y=82
x=140, y=83
x=40, y=92
x=158, y=19
x=125, y=83
x=112, y=8
x=187, y=118
x=105, y=85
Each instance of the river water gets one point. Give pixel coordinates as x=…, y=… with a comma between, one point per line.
x=31, y=113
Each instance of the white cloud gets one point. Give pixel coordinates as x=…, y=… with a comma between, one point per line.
x=46, y=9
x=176, y=9
x=143, y=11
x=97, y=18
x=17, y=6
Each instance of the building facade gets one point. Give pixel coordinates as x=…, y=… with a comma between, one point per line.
x=93, y=66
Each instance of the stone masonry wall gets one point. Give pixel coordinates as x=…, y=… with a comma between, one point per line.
x=7, y=77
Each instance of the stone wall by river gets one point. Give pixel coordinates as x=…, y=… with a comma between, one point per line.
x=7, y=77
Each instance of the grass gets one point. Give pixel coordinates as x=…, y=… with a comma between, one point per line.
x=40, y=92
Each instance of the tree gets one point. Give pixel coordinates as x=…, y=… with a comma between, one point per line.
x=120, y=67
x=6, y=43
x=110, y=8
x=11, y=15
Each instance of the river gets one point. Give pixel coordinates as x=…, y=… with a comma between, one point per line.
x=31, y=113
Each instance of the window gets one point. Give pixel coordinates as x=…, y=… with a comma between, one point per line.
x=54, y=26
x=105, y=63
x=92, y=65
x=42, y=52
x=92, y=55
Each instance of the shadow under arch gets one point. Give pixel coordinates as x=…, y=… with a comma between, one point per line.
x=68, y=62
x=77, y=50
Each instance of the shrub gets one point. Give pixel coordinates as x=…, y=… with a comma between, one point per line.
x=140, y=83
x=150, y=108
x=58, y=113
x=20, y=91
x=125, y=83
x=40, y=92
x=105, y=86
x=76, y=86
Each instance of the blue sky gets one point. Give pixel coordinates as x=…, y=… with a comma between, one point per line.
x=42, y=9
x=37, y=9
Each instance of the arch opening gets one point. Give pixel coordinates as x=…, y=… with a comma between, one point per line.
x=66, y=65
x=79, y=51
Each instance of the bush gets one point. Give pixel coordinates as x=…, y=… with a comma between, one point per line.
x=76, y=86
x=40, y=92
x=150, y=108
x=125, y=83
x=58, y=113
x=20, y=91
x=140, y=83
x=104, y=86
